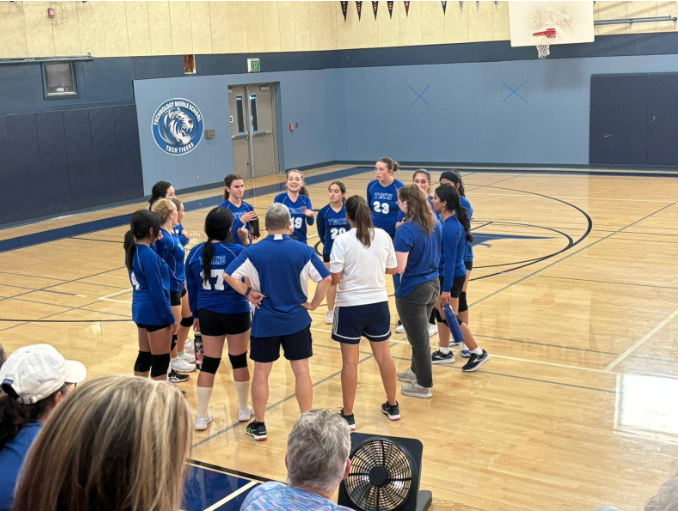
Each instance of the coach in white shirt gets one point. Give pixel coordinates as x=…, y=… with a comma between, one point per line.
x=359, y=261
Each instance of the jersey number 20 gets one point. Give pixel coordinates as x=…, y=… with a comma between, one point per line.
x=336, y=231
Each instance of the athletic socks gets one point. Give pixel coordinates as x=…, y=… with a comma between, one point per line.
x=478, y=351
x=204, y=395
x=243, y=390
x=444, y=351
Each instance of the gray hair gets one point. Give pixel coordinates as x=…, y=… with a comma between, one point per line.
x=277, y=217
x=317, y=450
x=667, y=498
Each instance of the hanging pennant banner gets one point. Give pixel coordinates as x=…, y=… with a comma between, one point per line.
x=389, y=5
x=407, y=8
x=344, y=8
x=359, y=6
x=461, y=6
x=375, y=6
x=477, y=5
x=444, y=7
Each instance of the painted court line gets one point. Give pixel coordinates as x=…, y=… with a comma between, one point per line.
x=642, y=341
x=232, y=496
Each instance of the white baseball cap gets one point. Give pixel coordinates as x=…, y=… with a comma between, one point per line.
x=35, y=372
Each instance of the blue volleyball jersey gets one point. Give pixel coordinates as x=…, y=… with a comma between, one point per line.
x=279, y=268
x=401, y=215
x=214, y=295
x=383, y=203
x=183, y=239
x=151, y=285
x=330, y=225
x=423, y=259
x=170, y=249
x=238, y=212
x=299, y=220
x=469, y=245
x=453, y=251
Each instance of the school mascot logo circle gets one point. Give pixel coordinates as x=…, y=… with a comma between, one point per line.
x=177, y=126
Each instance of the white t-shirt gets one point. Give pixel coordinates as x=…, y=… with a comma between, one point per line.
x=364, y=278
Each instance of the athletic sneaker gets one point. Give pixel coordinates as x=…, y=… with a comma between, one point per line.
x=329, y=318
x=245, y=414
x=432, y=330
x=350, y=419
x=187, y=357
x=408, y=376
x=392, y=412
x=465, y=352
x=416, y=390
x=189, y=347
x=201, y=423
x=400, y=329
x=174, y=377
x=439, y=357
x=475, y=361
x=257, y=430
x=181, y=366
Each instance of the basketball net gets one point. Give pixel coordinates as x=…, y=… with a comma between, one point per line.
x=544, y=42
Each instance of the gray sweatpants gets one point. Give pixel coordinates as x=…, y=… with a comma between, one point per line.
x=414, y=310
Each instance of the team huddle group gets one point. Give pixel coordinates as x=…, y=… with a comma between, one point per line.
x=255, y=295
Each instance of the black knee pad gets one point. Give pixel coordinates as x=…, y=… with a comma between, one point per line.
x=143, y=362
x=160, y=365
x=186, y=322
x=210, y=364
x=432, y=317
x=238, y=361
x=174, y=342
x=463, y=305
x=439, y=317
x=459, y=321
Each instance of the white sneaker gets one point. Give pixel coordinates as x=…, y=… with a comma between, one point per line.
x=201, y=423
x=181, y=366
x=187, y=357
x=189, y=347
x=407, y=376
x=400, y=329
x=416, y=390
x=245, y=414
x=432, y=330
x=329, y=318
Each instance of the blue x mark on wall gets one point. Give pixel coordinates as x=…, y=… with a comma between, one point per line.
x=514, y=91
x=419, y=96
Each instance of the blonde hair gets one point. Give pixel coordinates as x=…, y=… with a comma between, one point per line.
x=116, y=443
x=163, y=208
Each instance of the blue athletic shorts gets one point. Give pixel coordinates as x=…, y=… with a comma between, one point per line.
x=372, y=321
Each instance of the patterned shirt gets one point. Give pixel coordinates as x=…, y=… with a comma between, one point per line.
x=281, y=497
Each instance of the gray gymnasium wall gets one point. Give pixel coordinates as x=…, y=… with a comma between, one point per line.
x=471, y=117
x=307, y=98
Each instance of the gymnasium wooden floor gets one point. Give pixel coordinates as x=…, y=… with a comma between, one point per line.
x=575, y=295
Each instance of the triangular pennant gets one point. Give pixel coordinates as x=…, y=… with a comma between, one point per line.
x=496, y=4
x=444, y=7
x=375, y=6
x=477, y=6
x=461, y=6
x=359, y=6
x=407, y=8
x=389, y=5
x=344, y=8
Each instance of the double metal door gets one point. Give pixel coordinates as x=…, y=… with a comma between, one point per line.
x=253, y=129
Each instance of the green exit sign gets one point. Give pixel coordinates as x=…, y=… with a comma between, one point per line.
x=253, y=65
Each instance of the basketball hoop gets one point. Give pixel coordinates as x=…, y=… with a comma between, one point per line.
x=544, y=41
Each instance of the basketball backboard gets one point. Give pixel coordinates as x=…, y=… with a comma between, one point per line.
x=572, y=21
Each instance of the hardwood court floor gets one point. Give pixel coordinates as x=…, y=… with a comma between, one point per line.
x=575, y=295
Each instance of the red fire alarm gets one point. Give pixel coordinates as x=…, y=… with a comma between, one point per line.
x=291, y=126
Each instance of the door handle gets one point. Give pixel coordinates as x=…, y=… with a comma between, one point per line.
x=607, y=135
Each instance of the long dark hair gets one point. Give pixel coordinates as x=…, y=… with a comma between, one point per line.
x=218, y=226
x=228, y=181
x=159, y=191
x=450, y=196
x=14, y=416
x=358, y=212
x=342, y=189
x=140, y=227
x=455, y=177
x=418, y=208
x=302, y=190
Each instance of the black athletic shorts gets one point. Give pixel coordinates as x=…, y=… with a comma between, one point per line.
x=216, y=324
x=372, y=321
x=326, y=258
x=296, y=346
x=469, y=265
x=176, y=296
x=457, y=285
x=152, y=328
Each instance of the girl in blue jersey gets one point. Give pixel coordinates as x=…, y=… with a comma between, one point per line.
x=297, y=201
x=169, y=248
x=243, y=213
x=161, y=190
x=452, y=271
x=332, y=222
x=382, y=195
x=178, y=228
x=220, y=313
x=151, y=310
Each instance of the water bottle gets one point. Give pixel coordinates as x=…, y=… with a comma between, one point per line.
x=197, y=342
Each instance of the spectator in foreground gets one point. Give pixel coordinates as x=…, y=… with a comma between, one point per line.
x=116, y=444
x=34, y=380
x=667, y=498
x=317, y=461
